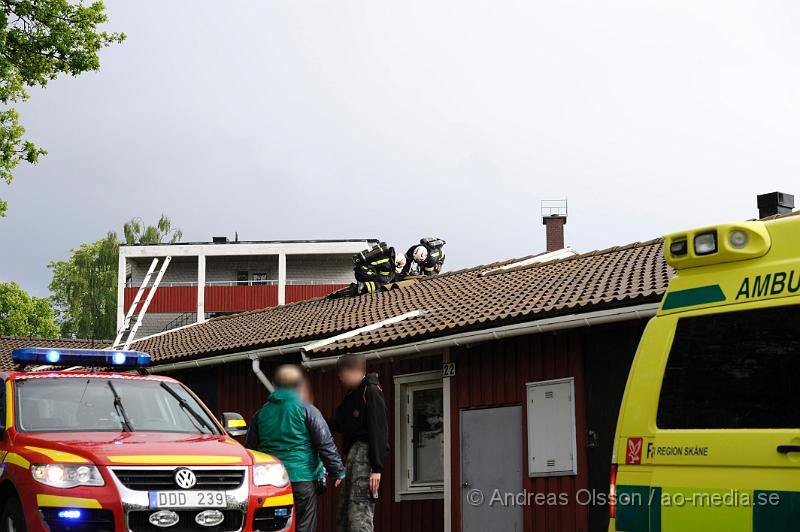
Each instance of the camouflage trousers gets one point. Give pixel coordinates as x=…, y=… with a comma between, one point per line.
x=356, y=507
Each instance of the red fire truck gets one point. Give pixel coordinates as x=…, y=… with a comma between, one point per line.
x=85, y=450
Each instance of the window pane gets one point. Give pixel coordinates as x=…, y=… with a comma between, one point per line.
x=733, y=370
x=428, y=418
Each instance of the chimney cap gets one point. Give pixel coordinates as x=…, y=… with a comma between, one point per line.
x=554, y=208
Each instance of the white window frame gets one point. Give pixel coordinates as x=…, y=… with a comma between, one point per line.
x=404, y=386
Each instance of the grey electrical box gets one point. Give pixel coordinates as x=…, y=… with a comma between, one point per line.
x=551, y=428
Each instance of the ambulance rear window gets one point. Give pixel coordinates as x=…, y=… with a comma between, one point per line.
x=733, y=370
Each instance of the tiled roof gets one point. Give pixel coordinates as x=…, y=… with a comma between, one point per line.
x=455, y=301
x=9, y=343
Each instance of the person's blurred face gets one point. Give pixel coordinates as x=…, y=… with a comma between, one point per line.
x=304, y=391
x=351, y=377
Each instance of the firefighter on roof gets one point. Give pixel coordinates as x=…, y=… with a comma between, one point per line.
x=374, y=268
x=427, y=256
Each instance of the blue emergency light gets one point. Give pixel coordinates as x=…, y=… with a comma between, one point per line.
x=69, y=514
x=80, y=357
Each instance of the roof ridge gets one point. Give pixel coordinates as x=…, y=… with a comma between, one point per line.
x=586, y=255
x=776, y=216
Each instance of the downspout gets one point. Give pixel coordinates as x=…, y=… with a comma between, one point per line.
x=260, y=374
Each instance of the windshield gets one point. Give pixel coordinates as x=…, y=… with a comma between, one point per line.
x=97, y=404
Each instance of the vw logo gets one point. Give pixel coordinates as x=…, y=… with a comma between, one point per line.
x=185, y=479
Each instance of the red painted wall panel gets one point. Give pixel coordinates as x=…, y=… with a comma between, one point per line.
x=240, y=298
x=495, y=374
x=166, y=299
x=227, y=298
x=301, y=292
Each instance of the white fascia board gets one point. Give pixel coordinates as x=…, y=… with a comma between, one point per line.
x=234, y=249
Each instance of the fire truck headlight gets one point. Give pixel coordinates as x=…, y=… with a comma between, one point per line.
x=270, y=475
x=67, y=475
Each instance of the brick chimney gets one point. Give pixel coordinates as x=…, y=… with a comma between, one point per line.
x=555, y=231
x=554, y=218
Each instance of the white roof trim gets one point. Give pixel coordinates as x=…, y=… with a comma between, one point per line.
x=367, y=328
x=558, y=254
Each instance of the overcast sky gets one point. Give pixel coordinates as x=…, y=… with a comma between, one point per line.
x=396, y=120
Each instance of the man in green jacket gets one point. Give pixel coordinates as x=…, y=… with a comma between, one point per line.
x=291, y=429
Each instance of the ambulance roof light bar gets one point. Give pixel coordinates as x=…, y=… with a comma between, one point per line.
x=717, y=244
x=80, y=357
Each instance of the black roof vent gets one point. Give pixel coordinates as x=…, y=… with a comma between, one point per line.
x=219, y=239
x=774, y=203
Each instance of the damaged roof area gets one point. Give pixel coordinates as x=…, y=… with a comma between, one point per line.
x=452, y=302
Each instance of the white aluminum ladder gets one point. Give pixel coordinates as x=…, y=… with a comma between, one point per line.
x=132, y=311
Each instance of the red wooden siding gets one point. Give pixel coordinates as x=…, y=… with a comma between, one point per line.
x=495, y=374
x=301, y=292
x=240, y=298
x=166, y=299
x=227, y=298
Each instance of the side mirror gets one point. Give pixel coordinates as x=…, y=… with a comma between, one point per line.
x=234, y=424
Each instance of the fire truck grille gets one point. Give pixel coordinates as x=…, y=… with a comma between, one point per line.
x=164, y=479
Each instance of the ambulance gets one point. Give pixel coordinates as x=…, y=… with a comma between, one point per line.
x=708, y=435
x=85, y=450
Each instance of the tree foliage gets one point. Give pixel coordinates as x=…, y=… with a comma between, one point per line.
x=23, y=315
x=84, y=287
x=137, y=233
x=39, y=40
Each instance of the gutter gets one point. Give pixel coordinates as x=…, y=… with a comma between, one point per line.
x=255, y=354
x=560, y=323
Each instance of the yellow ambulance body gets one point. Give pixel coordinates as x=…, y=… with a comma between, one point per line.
x=708, y=435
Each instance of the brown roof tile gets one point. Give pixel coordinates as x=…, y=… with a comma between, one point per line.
x=454, y=301
x=9, y=343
